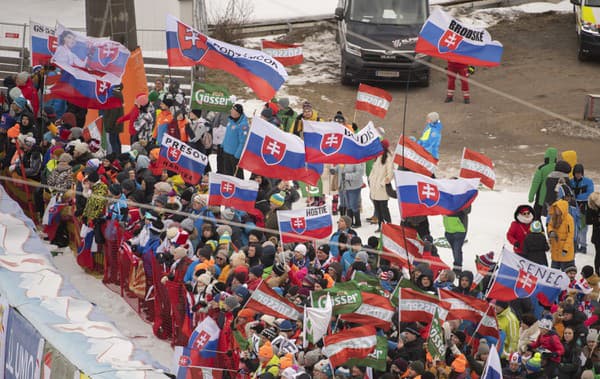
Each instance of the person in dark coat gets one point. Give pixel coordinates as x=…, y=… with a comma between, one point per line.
x=465, y=282
x=570, y=362
x=411, y=346
x=560, y=175
x=592, y=217
x=575, y=319
x=535, y=245
x=109, y=122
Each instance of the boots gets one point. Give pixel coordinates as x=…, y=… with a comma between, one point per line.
x=357, y=223
x=449, y=99
x=342, y=211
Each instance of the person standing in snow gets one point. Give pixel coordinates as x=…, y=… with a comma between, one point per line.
x=235, y=138
x=537, y=191
x=583, y=188
x=519, y=228
x=381, y=174
x=432, y=135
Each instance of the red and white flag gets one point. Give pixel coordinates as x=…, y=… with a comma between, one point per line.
x=286, y=54
x=92, y=130
x=464, y=307
x=265, y=300
x=412, y=156
x=476, y=165
x=401, y=244
x=373, y=100
x=488, y=326
x=375, y=310
x=415, y=306
x=351, y=343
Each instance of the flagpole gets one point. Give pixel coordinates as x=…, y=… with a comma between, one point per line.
x=479, y=324
x=495, y=275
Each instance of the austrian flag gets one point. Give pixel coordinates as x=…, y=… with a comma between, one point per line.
x=351, y=343
x=416, y=306
x=300, y=225
x=265, y=300
x=414, y=157
x=286, y=54
x=373, y=100
x=477, y=165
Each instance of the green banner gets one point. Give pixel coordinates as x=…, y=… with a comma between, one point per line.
x=311, y=191
x=211, y=97
x=346, y=298
x=377, y=359
x=367, y=283
x=435, y=343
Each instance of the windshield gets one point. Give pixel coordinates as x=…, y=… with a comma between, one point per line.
x=392, y=12
x=592, y=3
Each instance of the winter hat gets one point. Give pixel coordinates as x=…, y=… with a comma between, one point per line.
x=187, y=225
x=115, y=189
x=65, y=158
x=462, y=337
x=223, y=229
x=93, y=163
x=237, y=259
x=433, y=116
x=238, y=108
x=412, y=329
x=300, y=248
x=67, y=118
x=324, y=367
x=483, y=348
x=76, y=133
x=241, y=274
x=232, y=302
x=21, y=102
x=347, y=220
x=225, y=238
x=587, y=271
x=277, y=199
x=286, y=362
x=286, y=326
x=157, y=226
x=94, y=145
x=536, y=227
x=487, y=259
x=545, y=323
x=257, y=271
x=141, y=100
x=242, y=292
x=362, y=256
x=283, y=102
x=417, y=366
x=339, y=117
x=571, y=269
x=355, y=241
x=80, y=147
x=205, y=278
x=181, y=238
x=278, y=269
x=534, y=364
x=267, y=113
x=513, y=357
x=336, y=266
x=306, y=105
x=592, y=336
x=269, y=333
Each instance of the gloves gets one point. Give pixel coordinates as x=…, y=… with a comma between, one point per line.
x=553, y=234
x=517, y=244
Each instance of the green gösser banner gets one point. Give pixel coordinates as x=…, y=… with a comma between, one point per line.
x=211, y=97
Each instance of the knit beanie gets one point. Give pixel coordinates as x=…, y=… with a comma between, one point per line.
x=534, y=364
x=277, y=199
x=484, y=348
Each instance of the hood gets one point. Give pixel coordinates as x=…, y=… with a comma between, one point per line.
x=436, y=125
x=378, y=35
x=551, y=154
x=578, y=168
x=520, y=207
x=466, y=274
x=563, y=166
x=563, y=206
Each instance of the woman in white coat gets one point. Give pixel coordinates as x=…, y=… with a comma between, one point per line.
x=381, y=174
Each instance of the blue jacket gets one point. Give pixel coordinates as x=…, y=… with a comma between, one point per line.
x=235, y=136
x=582, y=188
x=347, y=260
x=431, y=138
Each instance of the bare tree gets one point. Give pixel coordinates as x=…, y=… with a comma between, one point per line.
x=228, y=20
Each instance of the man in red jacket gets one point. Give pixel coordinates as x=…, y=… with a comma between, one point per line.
x=461, y=69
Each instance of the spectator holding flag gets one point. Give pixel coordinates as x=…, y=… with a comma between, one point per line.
x=380, y=176
x=235, y=139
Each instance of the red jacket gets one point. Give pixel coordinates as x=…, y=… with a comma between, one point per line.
x=517, y=233
x=550, y=341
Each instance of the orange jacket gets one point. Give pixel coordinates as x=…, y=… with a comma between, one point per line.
x=162, y=117
x=182, y=133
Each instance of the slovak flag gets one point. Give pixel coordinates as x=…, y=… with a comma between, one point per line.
x=493, y=368
x=186, y=46
x=201, y=349
x=419, y=195
x=412, y=156
x=518, y=277
x=287, y=54
x=273, y=153
x=447, y=38
x=477, y=165
x=82, y=89
x=181, y=158
x=374, y=100
x=232, y=192
x=332, y=142
x=43, y=43
x=302, y=225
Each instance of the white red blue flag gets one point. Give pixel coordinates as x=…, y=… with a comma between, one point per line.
x=82, y=89
x=447, y=38
x=301, y=225
x=493, y=368
x=332, y=142
x=99, y=57
x=232, y=192
x=88, y=245
x=518, y=277
x=412, y=156
x=201, y=349
x=181, y=158
x=477, y=165
x=186, y=46
x=43, y=43
x=287, y=54
x=419, y=195
x=273, y=153
x=374, y=100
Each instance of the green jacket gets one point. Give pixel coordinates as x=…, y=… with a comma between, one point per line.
x=537, y=191
x=453, y=224
x=287, y=118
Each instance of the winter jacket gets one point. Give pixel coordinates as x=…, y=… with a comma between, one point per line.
x=110, y=116
x=560, y=175
x=519, y=229
x=299, y=124
x=431, y=138
x=163, y=118
x=411, y=351
x=561, y=230
x=537, y=191
x=570, y=363
x=569, y=156
x=96, y=204
x=453, y=224
x=350, y=176
x=335, y=237
x=583, y=187
x=535, y=247
x=347, y=259
x=287, y=118
x=143, y=126
x=509, y=324
x=527, y=336
x=550, y=341
x=235, y=136
x=381, y=174
x=61, y=178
